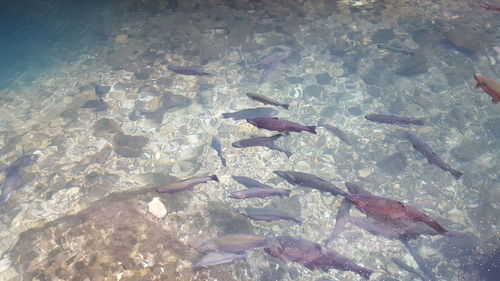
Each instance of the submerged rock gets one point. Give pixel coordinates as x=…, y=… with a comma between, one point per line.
x=129, y=146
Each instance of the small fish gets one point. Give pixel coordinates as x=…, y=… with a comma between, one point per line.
x=185, y=184
x=13, y=176
x=489, y=6
x=278, y=57
x=188, y=70
x=266, y=100
x=489, y=86
x=267, y=214
x=431, y=156
x=234, y=243
x=251, y=113
x=310, y=181
x=391, y=211
x=337, y=132
x=250, y=183
x=392, y=119
x=262, y=141
x=259, y=193
x=332, y=259
x=340, y=221
x=218, y=147
x=404, y=230
x=216, y=258
x=280, y=125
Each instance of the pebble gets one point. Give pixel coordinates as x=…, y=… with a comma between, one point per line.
x=121, y=38
x=157, y=208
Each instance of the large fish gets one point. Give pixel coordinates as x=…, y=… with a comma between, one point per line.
x=262, y=141
x=216, y=258
x=218, y=147
x=280, y=125
x=489, y=86
x=267, y=214
x=234, y=243
x=13, y=176
x=311, y=254
x=185, y=184
x=391, y=211
x=249, y=182
x=310, y=181
x=251, y=113
x=266, y=100
x=392, y=119
x=431, y=156
x=188, y=70
x=260, y=193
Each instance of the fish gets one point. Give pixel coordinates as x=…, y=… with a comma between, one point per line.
x=249, y=182
x=185, y=184
x=262, y=141
x=489, y=6
x=341, y=220
x=391, y=211
x=431, y=156
x=218, y=147
x=266, y=100
x=188, y=70
x=268, y=71
x=259, y=193
x=233, y=243
x=216, y=258
x=278, y=57
x=332, y=259
x=267, y=214
x=392, y=119
x=310, y=181
x=338, y=133
x=310, y=254
x=251, y=113
x=356, y=189
x=293, y=249
x=13, y=175
x=489, y=86
x=280, y=125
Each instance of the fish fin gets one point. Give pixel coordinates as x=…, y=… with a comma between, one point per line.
x=298, y=220
x=419, y=122
x=214, y=177
x=285, y=106
x=456, y=174
x=224, y=163
x=311, y=129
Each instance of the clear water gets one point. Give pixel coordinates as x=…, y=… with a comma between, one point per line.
x=85, y=86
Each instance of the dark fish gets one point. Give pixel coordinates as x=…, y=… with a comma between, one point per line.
x=187, y=70
x=251, y=113
x=332, y=259
x=234, y=243
x=311, y=254
x=391, y=119
x=262, y=141
x=216, y=258
x=310, y=181
x=280, y=125
x=431, y=156
x=340, y=221
x=185, y=184
x=13, y=176
x=404, y=230
x=295, y=249
x=260, y=193
x=391, y=211
x=249, y=182
x=266, y=100
x=267, y=214
x=217, y=146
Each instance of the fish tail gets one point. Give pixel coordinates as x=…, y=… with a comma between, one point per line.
x=285, y=106
x=287, y=193
x=287, y=153
x=311, y=129
x=456, y=174
x=298, y=220
x=223, y=160
x=226, y=115
x=365, y=272
x=214, y=178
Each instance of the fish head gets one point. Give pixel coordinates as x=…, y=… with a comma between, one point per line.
x=237, y=196
x=479, y=78
x=252, y=121
x=356, y=199
x=241, y=211
x=238, y=144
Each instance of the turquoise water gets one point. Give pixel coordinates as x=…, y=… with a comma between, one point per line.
x=86, y=87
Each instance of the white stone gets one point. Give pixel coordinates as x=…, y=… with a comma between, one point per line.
x=157, y=208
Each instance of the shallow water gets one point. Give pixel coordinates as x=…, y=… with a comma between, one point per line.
x=85, y=209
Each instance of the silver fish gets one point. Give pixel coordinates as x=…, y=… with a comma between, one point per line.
x=218, y=147
x=216, y=258
x=185, y=184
